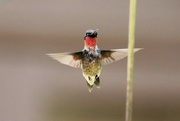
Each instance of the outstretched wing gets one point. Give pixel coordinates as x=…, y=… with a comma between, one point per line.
x=70, y=59
x=109, y=56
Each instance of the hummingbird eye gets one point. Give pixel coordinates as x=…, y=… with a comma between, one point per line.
x=89, y=33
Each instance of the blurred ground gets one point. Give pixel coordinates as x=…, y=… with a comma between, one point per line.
x=33, y=87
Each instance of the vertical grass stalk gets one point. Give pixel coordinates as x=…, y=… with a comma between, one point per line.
x=130, y=66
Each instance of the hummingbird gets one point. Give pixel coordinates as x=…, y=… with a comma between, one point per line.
x=91, y=59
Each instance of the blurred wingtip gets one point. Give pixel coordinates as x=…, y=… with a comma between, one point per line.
x=138, y=49
x=49, y=54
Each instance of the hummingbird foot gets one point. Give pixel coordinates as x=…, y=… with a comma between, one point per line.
x=97, y=81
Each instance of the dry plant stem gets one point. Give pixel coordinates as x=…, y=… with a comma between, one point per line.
x=130, y=66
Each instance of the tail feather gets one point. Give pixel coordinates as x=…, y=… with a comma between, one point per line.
x=90, y=87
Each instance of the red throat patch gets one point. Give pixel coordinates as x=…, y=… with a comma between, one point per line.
x=89, y=41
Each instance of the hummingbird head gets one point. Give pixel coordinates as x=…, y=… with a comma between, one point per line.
x=90, y=38
x=91, y=33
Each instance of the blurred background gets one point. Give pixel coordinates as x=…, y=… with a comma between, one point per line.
x=34, y=87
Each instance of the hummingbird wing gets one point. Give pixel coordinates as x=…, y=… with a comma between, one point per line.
x=71, y=59
x=109, y=56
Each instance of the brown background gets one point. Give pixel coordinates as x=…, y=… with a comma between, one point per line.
x=33, y=87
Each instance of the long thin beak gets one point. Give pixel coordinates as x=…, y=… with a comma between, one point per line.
x=96, y=30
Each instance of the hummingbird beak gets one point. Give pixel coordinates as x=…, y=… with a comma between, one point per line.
x=96, y=30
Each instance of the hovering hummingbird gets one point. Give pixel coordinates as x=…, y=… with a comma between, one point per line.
x=91, y=58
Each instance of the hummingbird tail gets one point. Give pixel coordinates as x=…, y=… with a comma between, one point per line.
x=90, y=87
x=91, y=80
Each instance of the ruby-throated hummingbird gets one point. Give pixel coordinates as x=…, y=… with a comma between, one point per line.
x=91, y=58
